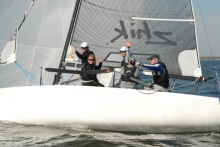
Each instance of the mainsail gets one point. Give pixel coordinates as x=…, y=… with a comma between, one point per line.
x=165, y=27
x=41, y=38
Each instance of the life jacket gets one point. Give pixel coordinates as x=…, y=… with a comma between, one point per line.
x=123, y=62
x=128, y=72
x=87, y=77
x=161, y=79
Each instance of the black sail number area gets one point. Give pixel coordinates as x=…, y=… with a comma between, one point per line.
x=164, y=36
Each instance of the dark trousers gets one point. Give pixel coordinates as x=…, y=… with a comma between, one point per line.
x=93, y=84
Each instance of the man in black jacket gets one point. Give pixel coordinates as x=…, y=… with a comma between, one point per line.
x=85, y=52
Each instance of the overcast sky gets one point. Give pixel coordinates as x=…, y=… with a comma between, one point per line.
x=211, y=16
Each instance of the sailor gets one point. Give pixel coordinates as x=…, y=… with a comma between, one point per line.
x=159, y=71
x=125, y=52
x=85, y=52
x=91, y=79
x=127, y=71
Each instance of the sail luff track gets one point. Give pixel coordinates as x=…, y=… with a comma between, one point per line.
x=196, y=38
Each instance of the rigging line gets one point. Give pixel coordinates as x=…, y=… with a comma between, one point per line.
x=3, y=41
x=13, y=72
x=8, y=10
x=44, y=73
x=153, y=91
x=62, y=20
x=70, y=77
x=43, y=76
x=49, y=48
x=29, y=75
x=25, y=52
x=36, y=67
x=38, y=37
x=67, y=78
x=216, y=72
x=37, y=47
x=49, y=56
x=13, y=81
x=26, y=45
x=206, y=31
x=186, y=84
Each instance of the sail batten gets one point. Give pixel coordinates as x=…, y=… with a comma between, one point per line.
x=154, y=19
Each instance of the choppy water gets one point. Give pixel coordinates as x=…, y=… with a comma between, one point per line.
x=12, y=134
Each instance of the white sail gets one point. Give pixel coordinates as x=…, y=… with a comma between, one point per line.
x=41, y=38
x=8, y=55
x=163, y=27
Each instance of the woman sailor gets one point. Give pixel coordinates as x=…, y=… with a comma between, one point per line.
x=91, y=79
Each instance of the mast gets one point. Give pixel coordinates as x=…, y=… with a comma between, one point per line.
x=57, y=77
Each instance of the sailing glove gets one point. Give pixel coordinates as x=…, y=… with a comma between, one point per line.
x=139, y=64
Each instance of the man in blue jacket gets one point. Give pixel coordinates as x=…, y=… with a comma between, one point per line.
x=159, y=71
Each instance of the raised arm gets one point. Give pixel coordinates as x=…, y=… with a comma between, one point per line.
x=100, y=63
x=83, y=57
x=128, y=45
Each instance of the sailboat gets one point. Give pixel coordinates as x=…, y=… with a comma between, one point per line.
x=154, y=26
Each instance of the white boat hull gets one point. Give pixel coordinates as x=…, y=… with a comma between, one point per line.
x=112, y=109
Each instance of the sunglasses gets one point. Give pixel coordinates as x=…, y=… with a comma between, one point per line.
x=91, y=59
x=83, y=48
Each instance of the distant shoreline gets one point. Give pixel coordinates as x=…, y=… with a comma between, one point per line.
x=209, y=58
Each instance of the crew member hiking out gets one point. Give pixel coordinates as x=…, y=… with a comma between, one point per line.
x=159, y=71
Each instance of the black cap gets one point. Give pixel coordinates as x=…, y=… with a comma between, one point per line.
x=153, y=56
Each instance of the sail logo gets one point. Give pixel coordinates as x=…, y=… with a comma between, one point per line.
x=146, y=31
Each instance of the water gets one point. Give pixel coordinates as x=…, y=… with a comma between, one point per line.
x=12, y=134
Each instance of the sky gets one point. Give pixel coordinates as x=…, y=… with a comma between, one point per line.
x=207, y=15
